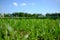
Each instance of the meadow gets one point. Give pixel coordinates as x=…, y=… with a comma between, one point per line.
x=29, y=29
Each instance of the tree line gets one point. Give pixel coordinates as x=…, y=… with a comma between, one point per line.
x=29, y=15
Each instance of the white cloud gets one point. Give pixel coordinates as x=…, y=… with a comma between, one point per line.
x=33, y=4
x=23, y=4
x=15, y=3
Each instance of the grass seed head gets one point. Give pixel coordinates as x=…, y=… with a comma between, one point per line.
x=26, y=36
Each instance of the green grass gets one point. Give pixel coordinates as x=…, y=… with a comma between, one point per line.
x=29, y=29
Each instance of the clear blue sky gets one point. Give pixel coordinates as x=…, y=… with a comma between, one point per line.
x=30, y=6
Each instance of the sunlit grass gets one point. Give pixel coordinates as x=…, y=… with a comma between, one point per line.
x=29, y=29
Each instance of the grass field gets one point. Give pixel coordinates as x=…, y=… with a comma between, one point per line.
x=29, y=29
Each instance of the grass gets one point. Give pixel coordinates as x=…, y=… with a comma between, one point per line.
x=29, y=29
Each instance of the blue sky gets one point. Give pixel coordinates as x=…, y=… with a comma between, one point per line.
x=30, y=6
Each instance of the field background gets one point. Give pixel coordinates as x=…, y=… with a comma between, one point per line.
x=29, y=29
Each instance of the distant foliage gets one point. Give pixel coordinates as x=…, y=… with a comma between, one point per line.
x=53, y=15
x=35, y=15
